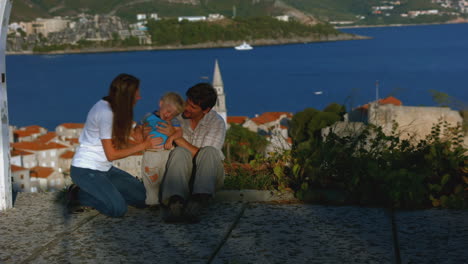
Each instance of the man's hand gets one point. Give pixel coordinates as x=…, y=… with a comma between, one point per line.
x=166, y=129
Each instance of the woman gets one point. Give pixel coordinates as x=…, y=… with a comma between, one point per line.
x=105, y=138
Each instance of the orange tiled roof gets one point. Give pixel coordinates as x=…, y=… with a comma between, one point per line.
x=35, y=128
x=41, y=172
x=72, y=125
x=17, y=152
x=37, y=146
x=268, y=117
x=236, y=119
x=24, y=133
x=47, y=137
x=67, y=155
x=15, y=168
x=389, y=100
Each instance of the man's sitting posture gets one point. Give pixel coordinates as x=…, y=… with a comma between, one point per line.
x=195, y=167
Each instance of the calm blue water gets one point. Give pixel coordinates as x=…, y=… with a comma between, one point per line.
x=407, y=62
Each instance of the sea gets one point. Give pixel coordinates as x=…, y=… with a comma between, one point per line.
x=405, y=62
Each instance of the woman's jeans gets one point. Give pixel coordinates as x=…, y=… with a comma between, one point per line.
x=109, y=192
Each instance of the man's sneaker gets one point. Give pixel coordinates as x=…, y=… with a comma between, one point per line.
x=194, y=207
x=175, y=210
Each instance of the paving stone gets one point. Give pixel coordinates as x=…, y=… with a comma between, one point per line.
x=254, y=196
x=141, y=237
x=433, y=236
x=298, y=233
x=35, y=221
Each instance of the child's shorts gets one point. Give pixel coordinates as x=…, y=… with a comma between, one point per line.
x=153, y=168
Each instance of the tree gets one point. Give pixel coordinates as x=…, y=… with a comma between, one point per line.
x=305, y=131
x=242, y=145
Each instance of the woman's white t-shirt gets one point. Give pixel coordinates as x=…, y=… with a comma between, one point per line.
x=90, y=154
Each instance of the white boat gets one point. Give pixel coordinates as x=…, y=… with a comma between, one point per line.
x=243, y=46
x=318, y=92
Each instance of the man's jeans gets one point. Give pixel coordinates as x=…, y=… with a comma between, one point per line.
x=109, y=192
x=207, y=170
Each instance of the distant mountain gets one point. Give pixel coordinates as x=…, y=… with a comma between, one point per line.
x=307, y=11
x=27, y=10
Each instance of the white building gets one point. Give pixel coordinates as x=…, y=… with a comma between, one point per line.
x=29, y=133
x=284, y=18
x=191, y=18
x=141, y=17
x=69, y=130
x=214, y=17
x=46, y=26
x=23, y=158
x=20, y=179
x=46, y=179
x=64, y=161
x=273, y=125
x=218, y=85
x=47, y=155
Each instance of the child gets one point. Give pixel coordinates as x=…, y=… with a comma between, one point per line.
x=154, y=160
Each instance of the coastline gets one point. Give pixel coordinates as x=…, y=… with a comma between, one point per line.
x=457, y=21
x=206, y=45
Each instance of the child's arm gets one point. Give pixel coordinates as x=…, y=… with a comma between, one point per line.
x=170, y=140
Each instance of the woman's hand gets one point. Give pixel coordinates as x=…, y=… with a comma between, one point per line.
x=154, y=143
x=140, y=133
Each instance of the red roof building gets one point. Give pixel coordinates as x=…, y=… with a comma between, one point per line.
x=41, y=172
x=236, y=119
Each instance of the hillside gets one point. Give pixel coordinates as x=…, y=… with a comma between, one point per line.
x=306, y=11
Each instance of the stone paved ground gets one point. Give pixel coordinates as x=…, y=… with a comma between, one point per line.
x=36, y=231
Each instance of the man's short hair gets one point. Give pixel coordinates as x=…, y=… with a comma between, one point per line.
x=203, y=95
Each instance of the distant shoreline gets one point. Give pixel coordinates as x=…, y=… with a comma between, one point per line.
x=208, y=45
x=458, y=21
x=231, y=44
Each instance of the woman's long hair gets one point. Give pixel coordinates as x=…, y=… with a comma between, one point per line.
x=121, y=98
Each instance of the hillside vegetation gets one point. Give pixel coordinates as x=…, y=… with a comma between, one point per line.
x=359, y=11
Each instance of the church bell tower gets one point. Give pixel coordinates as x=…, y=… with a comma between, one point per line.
x=220, y=106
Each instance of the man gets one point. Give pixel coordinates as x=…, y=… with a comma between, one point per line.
x=194, y=169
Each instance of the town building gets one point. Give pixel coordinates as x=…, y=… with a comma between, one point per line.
x=46, y=179
x=69, y=130
x=274, y=126
x=46, y=26
x=414, y=122
x=29, y=133
x=47, y=155
x=65, y=160
x=238, y=120
x=191, y=18
x=20, y=179
x=23, y=158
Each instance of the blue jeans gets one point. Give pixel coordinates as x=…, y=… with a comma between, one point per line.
x=109, y=192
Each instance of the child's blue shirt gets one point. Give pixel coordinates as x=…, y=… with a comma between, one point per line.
x=153, y=119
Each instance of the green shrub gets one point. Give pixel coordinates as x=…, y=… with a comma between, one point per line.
x=375, y=169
